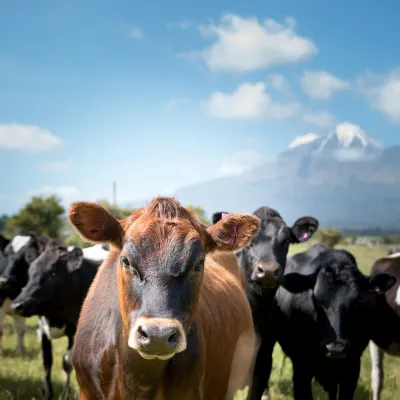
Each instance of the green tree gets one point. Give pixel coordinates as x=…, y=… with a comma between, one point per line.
x=3, y=222
x=199, y=212
x=43, y=215
x=71, y=236
x=329, y=236
x=116, y=211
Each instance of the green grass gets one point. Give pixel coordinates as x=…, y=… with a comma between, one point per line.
x=21, y=379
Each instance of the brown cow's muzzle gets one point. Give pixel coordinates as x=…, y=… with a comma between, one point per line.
x=267, y=274
x=158, y=338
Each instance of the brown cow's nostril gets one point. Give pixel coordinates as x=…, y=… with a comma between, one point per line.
x=173, y=338
x=142, y=333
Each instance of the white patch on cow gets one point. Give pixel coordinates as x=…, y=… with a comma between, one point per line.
x=394, y=255
x=19, y=242
x=397, y=298
x=68, y=357
x=95, y=253
x=376, y=370
x=50, y=331
x=70, y=248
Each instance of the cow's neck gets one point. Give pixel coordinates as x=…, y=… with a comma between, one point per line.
x=139, y=378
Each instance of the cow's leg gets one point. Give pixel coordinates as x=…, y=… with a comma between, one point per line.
x=348, y=385
x=377, y=373
x=67, y=367
x=302, y=378
x=2, y=317
x=262, y=369
x=20, y=329
x=47, y=354
x=332, y=393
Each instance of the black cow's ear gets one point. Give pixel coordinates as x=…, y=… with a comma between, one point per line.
x=380, y=283
x=303, y=229
x=297, y=283
x=75, y=258
x=218, y=216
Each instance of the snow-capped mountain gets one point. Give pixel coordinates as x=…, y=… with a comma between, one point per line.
x=345, y=179
x=348, y=142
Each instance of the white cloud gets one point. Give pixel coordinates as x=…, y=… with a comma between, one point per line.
x=183, y=24
x=28, y=138
x=246, y=44
x=321, y=85
x=57, y=166
x=383, y=92
x=63, y=191
x=279, y=83
x=299, y=140
x=322, y=119
x=136, y=32
x=248, y=101
x=240, y=162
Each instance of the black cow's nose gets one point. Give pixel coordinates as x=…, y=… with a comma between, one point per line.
x=336, y=349
x=158, y=340
x=4, y=282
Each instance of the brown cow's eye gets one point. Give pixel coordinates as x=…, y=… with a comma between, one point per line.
x=125, y=263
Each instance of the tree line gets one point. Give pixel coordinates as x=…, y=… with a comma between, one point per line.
x=46, y=216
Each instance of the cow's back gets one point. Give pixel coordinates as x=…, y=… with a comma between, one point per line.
x=226, y=329
x=228, y=261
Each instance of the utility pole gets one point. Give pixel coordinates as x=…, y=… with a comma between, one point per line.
x=114, y=193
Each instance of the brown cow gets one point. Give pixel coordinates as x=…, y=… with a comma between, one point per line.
x=385, y=321
x=163, y=319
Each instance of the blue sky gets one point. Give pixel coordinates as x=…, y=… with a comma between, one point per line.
x=162, y=94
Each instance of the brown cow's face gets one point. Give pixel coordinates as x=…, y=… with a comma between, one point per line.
x=159, y=281
x=160, y=267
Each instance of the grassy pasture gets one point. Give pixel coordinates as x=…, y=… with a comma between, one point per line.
x=21, y=379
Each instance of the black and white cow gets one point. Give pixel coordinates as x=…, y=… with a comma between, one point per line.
x=385, y=321
x=263, y=262
x=323, y=319
x=18, y=254
x=58, y=283
x=3, y=263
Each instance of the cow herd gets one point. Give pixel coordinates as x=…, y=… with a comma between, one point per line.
x=163, y=306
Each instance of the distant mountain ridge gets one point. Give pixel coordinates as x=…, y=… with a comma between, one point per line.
x=345, y=179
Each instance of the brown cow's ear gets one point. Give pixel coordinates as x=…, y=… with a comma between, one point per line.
x=233, y=232
x=95, y=224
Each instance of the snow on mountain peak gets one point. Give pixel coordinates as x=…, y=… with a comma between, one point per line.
x=299, y=140
x=347, y=132
x=349, y=135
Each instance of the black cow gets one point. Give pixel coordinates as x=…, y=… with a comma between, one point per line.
x=19, y=253
x=323, y=310
x=58, y=283
x=385, y=322
x=263, y=262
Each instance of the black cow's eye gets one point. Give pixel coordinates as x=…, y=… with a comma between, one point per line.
x=198, y=266
x=53, y=274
